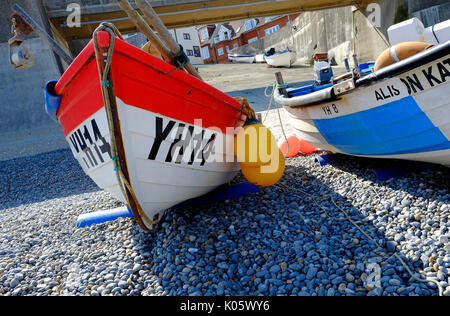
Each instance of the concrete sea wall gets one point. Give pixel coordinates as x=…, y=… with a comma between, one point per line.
x=22, y=91
x=341, y=31
x=429, y=12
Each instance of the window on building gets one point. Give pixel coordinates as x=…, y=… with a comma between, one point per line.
x=186, y=36
x=204, y=34
x=189, y=52
x=205, y=52
x=272, y=30
x=236, y=45
x=220, y=51
x=224, y=35
x=228, y=49
x=250, y=24
x=254, y=39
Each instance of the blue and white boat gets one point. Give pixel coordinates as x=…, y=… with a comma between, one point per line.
x=401, y=111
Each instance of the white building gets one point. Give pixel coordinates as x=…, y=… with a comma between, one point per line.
x=188, y=38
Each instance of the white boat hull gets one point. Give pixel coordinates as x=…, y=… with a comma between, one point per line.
x=286, y=59
x=158, y=182
x=242, y=60
x=260, y=58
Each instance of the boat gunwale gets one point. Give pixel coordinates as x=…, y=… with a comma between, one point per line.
x=87, y=55
x=408, y=64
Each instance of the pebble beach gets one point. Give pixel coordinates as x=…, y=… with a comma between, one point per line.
x=322, y=231
x=106, y=126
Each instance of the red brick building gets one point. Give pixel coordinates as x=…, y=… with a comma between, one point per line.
x=217, y=40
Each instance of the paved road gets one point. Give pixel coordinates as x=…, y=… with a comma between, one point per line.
x=250, y=80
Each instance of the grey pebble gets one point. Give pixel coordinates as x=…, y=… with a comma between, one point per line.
x=274, y=242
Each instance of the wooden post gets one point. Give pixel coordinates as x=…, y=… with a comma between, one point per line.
x=280, y=82
x=355, y=61
x=153, y=19
x=347, y=65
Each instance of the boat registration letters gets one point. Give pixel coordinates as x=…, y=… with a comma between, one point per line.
x=330, y=110
x=188, y=143
x=89, y=145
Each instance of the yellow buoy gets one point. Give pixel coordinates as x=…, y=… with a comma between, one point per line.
x=265, y=175
x=255, y=146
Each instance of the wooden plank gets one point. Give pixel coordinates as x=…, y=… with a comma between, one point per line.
x=189, y=14
x=154, y=20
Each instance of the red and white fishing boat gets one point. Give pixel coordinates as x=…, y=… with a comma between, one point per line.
x=170, y=129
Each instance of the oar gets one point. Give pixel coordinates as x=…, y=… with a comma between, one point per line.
x=153, y=18
x=142, y=26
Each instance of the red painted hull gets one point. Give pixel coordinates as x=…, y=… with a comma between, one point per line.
x=140, y=81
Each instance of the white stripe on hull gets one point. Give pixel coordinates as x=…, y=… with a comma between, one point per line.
x=157, y=184
x=102, y=173
x=437, y=107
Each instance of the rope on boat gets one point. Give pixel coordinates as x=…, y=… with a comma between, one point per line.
x=246, y=109
x=104, y=67
x=179, y=61
x=274, y=86
x=350, y=219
